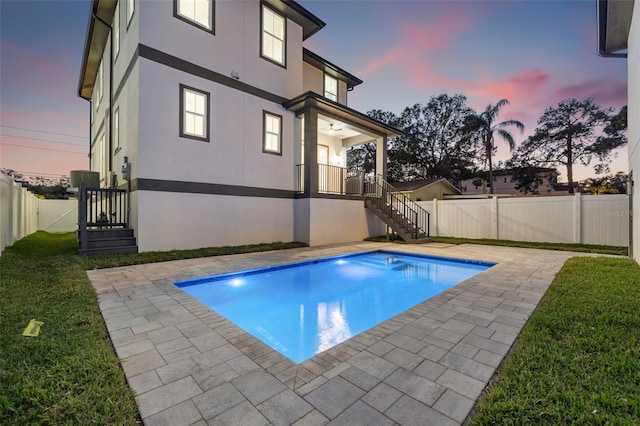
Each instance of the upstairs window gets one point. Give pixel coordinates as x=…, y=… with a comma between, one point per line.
x=131, y=7
x=273, y=36
x=99, y=85
x=116, y=32
x=272, y=140
x=116, y=130
x=330, y=88
x=197, y=12
x=194, y=113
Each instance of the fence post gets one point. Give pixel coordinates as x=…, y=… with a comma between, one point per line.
x=494, y=211
x=577, y=229
x=435, y=217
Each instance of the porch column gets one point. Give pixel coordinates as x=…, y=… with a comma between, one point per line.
x=381, y=156
x=310, y=152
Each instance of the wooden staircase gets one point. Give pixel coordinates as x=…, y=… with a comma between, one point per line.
x=103, y=222
x=399, y=212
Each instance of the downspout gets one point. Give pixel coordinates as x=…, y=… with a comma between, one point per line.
x=110, y=95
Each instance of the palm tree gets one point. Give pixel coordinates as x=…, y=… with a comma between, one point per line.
x=486, y=127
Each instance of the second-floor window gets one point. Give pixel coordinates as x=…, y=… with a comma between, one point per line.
x=198, y=12
x=274, y=41
x=330, y=88
x=272, y=141
x=194, y=113
x=116, y=129
x=100, y=85
x=131, y=7
x=116, y=32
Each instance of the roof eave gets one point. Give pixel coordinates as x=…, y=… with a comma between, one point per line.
x=307, y=99
x=614, y=23
x=329, y=68
x=95, y=42
x=309, y=22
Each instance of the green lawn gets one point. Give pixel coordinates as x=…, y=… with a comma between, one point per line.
x=578, y=357
x=69, y=374
x=580, y=248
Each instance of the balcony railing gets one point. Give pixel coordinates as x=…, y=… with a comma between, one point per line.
x=334, y=180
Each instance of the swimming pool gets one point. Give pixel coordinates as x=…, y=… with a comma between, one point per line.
x=305, y=308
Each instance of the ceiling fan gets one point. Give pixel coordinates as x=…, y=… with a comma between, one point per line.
x=333, y=129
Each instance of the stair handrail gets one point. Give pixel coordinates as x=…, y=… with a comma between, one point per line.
x=398, y=205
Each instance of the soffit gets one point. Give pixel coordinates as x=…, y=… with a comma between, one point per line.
x=329, y=68
x=614, y=22
x=95, y=43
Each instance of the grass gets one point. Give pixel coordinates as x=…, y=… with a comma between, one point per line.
x=578, y=357
x=69, y=374
x=580, y=248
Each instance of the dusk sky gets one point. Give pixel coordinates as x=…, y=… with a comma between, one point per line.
x=533, y=53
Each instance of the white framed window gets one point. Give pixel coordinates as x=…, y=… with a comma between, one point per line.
x=116, y=32
x=272, y=139
x=99, y=85
x=331, y=88
x=131, y=7
x=194, y=113
x=273, y=36
x=103, y=159
x=116, y=130
x=197, y=12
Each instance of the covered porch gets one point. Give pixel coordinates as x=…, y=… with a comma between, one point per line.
x=325, y=131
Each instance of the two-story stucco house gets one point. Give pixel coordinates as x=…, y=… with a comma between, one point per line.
x=234, y=132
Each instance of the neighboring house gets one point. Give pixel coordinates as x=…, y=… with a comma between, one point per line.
x=505, y=182
x=427, y=189
x=619, y=36
x=234, y=132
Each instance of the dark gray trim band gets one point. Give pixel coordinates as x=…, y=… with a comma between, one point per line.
x=143, y=184
x=299, y=196
x=193, y=69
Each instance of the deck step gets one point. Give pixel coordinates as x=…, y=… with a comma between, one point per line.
x=107, y=241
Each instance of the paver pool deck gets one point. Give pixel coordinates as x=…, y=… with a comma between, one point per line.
x=188, y=365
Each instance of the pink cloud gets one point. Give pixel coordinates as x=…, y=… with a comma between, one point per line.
x=605, y=92
x=415, y=42
x=31, y=72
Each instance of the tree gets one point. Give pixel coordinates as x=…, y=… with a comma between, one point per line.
x=40, y=185
x=610, y=184
x=574, y=131
x=435, y=143
x=485, y=127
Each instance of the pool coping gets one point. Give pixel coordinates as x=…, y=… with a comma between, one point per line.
x=428, y=365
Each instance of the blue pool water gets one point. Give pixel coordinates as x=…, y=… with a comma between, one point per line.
x=306, y=308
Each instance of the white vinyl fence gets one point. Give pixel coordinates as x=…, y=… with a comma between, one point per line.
x=579, y=218
x=22, y=213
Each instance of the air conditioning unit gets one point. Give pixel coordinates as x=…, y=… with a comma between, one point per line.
x=87, y=178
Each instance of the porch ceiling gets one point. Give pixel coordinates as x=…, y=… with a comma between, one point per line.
x=333, y=112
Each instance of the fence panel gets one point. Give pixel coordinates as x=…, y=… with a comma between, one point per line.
x=58, y=215
x=540, y=219
x=18, y=212
x=586, y=219
x=605, y=220
x=468, y=218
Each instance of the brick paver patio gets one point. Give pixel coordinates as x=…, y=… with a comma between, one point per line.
x=187, y=365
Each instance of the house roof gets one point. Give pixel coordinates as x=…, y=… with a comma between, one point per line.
x=417, y=184
x=614, y=22
x=342, y=112
x=330, y=68
x=101, y=17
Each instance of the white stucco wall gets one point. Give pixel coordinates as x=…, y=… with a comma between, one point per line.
x=633, y=63
x=234, y=47
x=188, y=221
x=233, y=155
x=334, y=221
